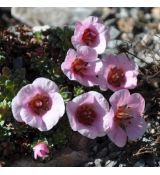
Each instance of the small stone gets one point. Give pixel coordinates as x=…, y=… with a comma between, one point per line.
x=40, y=28
x=95, y=148
x=149, y=59
x=156, y=12
x=139, y=163
x=150, y=162
x=103, y=152
x=127, y=36
x=152, y=131
x=146, y=40
x=123, y=13
x=126, y=24
x=134, y=12
x=114, y=33
x=157, y=123
x=106, y=12
x=145, y=139
x=79, y=142
x=114, y=155
x=98, y=162
x=112, y=147
x=110, y=163
x=149, y=125
x=122, y=165
x=90, y=164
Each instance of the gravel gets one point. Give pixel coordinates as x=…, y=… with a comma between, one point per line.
x=110, y=163
x=139, y=163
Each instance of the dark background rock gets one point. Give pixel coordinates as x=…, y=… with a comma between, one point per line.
x=65, y=158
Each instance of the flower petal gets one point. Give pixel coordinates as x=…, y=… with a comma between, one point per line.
x=119, y=98
x=71, y=110
x=131, y=80
x=100, y=48
x=45, y=84
x=87, y=54
x=136, y=128
x=51, y=117
x=117, y=135
x=16, y=107
x=26, y=93
x=101, y=107
x=92, y=19
x=30, y=119
x=136, y=102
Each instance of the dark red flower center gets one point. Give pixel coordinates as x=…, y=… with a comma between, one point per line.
x=89, y=37
x=86, y=114
x=116, y=77
x=79, y=66
x=39, y=104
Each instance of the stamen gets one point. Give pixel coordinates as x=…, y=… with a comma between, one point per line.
x=79, y=66
x=85, y=114
x=123, y=114
x=39, y=104
x=89, y=37
x=116, y=77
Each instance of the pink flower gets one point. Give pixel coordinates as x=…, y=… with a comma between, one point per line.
x=91, y=32
x=118, y=72
x=39, y=104
x=41, y=150
x=125, y=117
x=86, y=113
x=82, y=66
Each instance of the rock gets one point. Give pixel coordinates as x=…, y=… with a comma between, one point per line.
x=122, y=165
x=70, y=158
x=139, y=163
x=90, y=164
x=152, y=131
x=157, y=123
x=79, y=142
x=145, y=140
x=50, y=16
x=106, y=11
x=123, y=13
x=126, y=24
x=98, y=162
x=146, y=40
x=103, y=152
x=65, y=158
x=95, y=149
x=134, y=12
x=148, y=58
x=110, y=22
x=150, y=162
x=110, y=163
x=114, y=33
x=113, y=148
x=114, y=155
x=127, y=36
x=40, y=28
x=156, y=12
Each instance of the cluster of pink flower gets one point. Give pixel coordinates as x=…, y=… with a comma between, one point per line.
x=41, y=106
